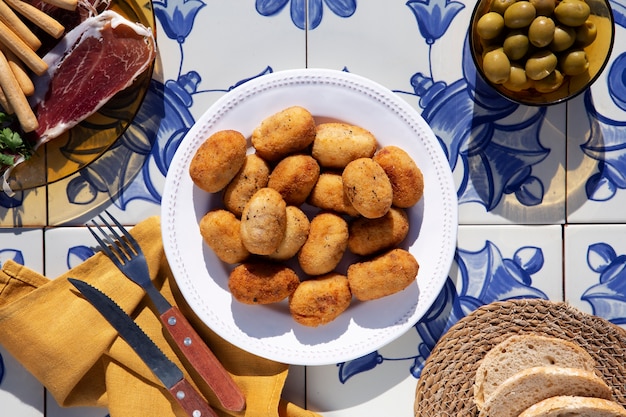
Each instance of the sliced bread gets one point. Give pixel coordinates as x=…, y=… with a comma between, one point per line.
x=532, y=385
x=525, y=351
x=569, y=406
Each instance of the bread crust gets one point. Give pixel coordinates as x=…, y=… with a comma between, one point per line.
x=525, y=351
x=532, y=385
x=568, y=405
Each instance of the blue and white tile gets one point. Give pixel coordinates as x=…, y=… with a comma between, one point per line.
x=20, y=392
x=596, y=122
x=54, y=410
x=508, y=160
x=67, y=247
x=212, y=51
x=24, y=208
x=595, y=257
x=492, y=263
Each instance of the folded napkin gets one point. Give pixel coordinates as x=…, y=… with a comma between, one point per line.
x=76, y=354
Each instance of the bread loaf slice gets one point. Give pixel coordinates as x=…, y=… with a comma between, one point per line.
x=532, y=385
x=525, y=351
x=569, y=406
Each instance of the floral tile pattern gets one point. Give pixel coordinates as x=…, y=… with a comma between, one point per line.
x=595, y=259
x=596, y=188
x=540, y=190
x=492, y=263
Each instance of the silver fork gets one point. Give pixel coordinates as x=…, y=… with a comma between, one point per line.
x=125, y=252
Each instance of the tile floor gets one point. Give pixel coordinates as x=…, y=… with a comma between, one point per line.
x=553, y=228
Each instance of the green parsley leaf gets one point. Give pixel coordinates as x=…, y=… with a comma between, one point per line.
x=12, y=145
x=10, y=140
x=5, y=118
x=6, y=160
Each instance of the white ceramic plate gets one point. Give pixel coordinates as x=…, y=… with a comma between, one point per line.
x=269, y=331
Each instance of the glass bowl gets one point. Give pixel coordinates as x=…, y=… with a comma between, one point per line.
x=534, y=92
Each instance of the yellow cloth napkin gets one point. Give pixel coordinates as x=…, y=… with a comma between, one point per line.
x=76, y=354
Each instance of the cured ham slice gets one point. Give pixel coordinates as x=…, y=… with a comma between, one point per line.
x=98, y=58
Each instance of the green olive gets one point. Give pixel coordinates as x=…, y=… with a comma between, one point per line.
x=515, y=45
x=541, y=31
x=572, y=12
x=499, y=6
x=586, y=33
x=574, y=62
x=544, y=7
x=550, y=83
x=496, y=66
x=540, y=64
x=564, y=37
x=519, y=15
x=518, y=81
x=490, y=25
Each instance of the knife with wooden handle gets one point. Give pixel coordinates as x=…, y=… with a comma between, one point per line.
x=130, y=260
x=203, y=359
x=165, y=370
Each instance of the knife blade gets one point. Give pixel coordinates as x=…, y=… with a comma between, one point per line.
x=191, y=348
x=163, y=368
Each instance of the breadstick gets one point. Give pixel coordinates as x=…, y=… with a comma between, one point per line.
x=9, y=18
x=63, y=4
x=4, y=103
x=23, y=51
x=23, y=79
x=38, y=17
x=16, y=97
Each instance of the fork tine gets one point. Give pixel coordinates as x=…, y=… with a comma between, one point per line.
x=106, y=244
x=128, y=236
x=122, y=246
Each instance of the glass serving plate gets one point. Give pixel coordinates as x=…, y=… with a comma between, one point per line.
x=91, y=138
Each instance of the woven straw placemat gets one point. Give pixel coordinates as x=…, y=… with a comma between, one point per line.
x=445, y=387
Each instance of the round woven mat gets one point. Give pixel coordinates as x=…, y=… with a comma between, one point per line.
x=445, y=387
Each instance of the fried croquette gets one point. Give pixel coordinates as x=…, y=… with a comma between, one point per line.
x=337, y=144
x=220, y=231
x=320, y=300
x=217, y=160
x=296, y=233
x=263, y=222
x=294, y=177
x=383, y=275
x=253, y=175
x=406, y=178
x=325, y=245
x=368, y=236
x=262, y=282
x=327, y=194
x=368, y=188
x=286, y=132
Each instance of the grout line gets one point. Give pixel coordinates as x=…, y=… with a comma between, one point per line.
x=306, y=33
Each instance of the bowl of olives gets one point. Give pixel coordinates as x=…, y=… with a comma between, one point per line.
x=541, y=52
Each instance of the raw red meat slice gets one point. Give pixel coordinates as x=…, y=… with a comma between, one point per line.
x=100, y=57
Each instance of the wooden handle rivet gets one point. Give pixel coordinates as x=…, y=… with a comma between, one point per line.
x=196, y=413
x=171, y=321
x=180, y=395
x=187, y=341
